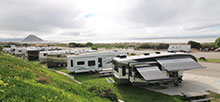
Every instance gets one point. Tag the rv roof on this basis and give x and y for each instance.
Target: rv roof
(95, 54)
(152, 55)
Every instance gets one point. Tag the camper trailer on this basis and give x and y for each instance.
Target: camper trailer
(33, 54)
(88, 62)
(179, 48)
(153, 68)
(58, 58)
(9, 49)
(20, 51)
(43, 56)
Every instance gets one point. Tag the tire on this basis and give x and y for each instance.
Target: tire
(64, 64)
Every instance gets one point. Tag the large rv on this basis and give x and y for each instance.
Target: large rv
(90, 62)
(153, 68)
(179, 48)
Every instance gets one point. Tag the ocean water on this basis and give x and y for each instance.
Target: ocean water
(160, 40)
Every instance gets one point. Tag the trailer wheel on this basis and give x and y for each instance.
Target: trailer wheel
(64, 64)
(59, 65)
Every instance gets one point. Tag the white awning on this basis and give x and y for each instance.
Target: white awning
(179, 64)
(152, 73)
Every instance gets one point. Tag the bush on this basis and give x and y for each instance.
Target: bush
(44, 79)
(209, 46)
(195, 44)
(1, 47)
(89, 44)
(217, 42)
(94, 48)
(104, 92)
(143, 46)
(163, 46)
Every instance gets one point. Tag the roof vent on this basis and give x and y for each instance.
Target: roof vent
(121, 56)
(157, 52)
(146, 54)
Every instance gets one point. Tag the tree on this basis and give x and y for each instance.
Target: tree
(195, 44)
(89, 44)
(217, 42)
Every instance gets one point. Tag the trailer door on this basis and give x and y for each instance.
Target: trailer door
(100, 62)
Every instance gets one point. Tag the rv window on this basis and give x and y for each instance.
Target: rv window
(91, 63)
(19, 50)
(80, 63)
(71, 61)
(58, 56)
(45, 54)
(123, 71)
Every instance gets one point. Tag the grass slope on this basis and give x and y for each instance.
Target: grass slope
(125, 92)
(21, 80)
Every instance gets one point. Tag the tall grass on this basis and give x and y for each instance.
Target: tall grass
(21, 80)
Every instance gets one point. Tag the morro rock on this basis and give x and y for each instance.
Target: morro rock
(32, 39)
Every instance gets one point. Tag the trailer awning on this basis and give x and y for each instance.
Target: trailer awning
(152, 73)
(179, 63)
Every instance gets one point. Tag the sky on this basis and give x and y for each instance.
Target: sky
(107, 20)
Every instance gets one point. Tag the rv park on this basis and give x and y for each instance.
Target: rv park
(176, 72)
(109, 51)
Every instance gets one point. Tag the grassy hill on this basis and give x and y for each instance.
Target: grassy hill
(21, 80)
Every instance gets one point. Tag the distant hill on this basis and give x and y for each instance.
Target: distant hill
(32, 39)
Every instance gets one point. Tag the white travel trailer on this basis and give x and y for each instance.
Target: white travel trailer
(179, 48)
(153, 68)
(43, 56)
(20, 51)
(90, 62)
(7, 50)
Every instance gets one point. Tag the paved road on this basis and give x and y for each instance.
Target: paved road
(213, 69)
(211, 55)
(196, 81)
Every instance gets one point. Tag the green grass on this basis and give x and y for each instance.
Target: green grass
(125, 92)
(211, 60)
(21, 80)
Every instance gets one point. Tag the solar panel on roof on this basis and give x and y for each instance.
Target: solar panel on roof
(152, 73)
(179, 63)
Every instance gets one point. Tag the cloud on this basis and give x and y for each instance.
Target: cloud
(108, 20)
(39, 16)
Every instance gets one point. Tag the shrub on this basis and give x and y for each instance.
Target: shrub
(104, 92)
(195, 44)
(143, 46)
(1, 47)
(89, 44)
(44, 79)
(217, 42)
(94, 48)
(163, 46)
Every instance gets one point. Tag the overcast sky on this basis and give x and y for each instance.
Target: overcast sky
(94, 20)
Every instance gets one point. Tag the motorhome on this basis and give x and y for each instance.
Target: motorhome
(179, 48)
(91, 62)
(153, 68)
